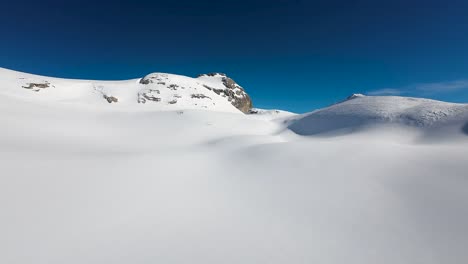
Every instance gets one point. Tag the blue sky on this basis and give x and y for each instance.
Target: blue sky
(295, 55)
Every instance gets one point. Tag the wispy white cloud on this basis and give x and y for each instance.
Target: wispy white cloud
(424, 88)
(385, 91)
(442, 87)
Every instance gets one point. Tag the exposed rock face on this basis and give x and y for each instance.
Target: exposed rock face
(199, 96)
(216, 82)
(110, 99)
(37, 86)
(145, 81)
(255, 111)
(233, 91)
(149, 95)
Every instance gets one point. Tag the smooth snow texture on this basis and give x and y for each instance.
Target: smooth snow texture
(105, 185)
(360, 112)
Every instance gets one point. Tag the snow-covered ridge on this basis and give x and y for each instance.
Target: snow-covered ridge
(360, 111)
(160, 91)
(217, 92)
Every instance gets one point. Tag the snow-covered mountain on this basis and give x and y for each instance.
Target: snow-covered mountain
(360, 112)
(157, 91)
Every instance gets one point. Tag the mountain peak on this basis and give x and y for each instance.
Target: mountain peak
(353, 96)
(221, 84)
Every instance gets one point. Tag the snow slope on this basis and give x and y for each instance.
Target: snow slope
(103, 183)
(361, 112)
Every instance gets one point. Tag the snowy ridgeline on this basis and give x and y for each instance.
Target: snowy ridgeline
(87, 179)
(217, 92)
(157, 91)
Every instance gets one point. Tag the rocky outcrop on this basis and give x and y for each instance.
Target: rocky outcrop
(37, 86)
(199, 96)
(218, 83)
(149, 95)
(110, 99)
(158, 78)
(231, 90)
(255, 111)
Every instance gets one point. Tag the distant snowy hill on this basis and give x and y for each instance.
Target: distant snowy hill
(159, 91)
(359, 112)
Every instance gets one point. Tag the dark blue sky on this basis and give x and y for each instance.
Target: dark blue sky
(290, 54)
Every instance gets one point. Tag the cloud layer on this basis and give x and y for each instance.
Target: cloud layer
(424, 88)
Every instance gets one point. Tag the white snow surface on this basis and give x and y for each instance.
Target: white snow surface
(84, 181)
(363, 112)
